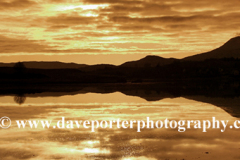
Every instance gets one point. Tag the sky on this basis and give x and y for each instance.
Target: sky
(113, 31)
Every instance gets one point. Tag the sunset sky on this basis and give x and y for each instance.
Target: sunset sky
(113, 31)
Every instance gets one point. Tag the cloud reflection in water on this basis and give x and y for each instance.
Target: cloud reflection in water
(122, 144)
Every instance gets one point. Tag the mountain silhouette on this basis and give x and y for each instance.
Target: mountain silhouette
(212, 77)
(231, 49)
(149, 61)
(218, 66)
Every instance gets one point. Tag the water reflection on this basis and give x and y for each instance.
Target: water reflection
(20, 99)
(120, 144)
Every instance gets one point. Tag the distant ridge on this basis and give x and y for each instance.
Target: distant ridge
(149, 61)
(231, 49)
(47, 65)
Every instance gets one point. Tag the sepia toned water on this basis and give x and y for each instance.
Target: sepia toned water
(119, 144)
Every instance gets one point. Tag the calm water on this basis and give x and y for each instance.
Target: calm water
(122, 144)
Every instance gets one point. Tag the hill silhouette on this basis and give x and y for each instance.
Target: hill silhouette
(149, 61)
(221, 65)
(230, 49)
(212, 77)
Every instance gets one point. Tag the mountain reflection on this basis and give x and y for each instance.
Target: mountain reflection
(117, 144)
(126, 102)
(225, 97)
(20, 99)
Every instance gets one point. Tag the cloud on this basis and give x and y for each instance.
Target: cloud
(130, 2)
(70, 20)
(65, 26)
(16, 4)
(12, 45)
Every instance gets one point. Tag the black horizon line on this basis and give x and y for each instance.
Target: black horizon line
(150, 55)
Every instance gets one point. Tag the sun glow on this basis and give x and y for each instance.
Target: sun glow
(90, 143)
(38, 30)
(95, 151)
(86, 7)
(89, 14)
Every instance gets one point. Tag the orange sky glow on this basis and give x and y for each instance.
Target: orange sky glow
(113, 31)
